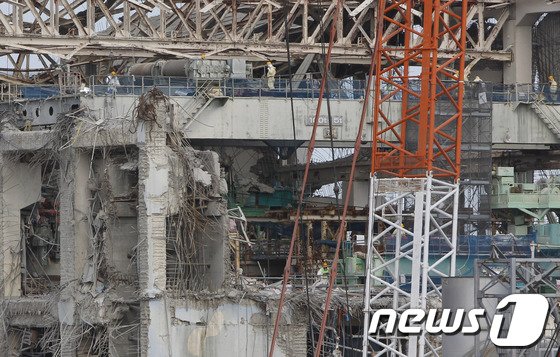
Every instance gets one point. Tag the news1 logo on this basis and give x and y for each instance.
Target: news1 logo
(525, 328)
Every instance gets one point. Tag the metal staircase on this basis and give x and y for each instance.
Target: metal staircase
(206, 92)
(549, 116)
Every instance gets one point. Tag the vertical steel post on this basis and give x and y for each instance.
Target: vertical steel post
(369, 262)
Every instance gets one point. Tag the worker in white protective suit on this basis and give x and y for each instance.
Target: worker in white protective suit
(270, 73)
(553, 86)
(113, 82)
(84, 89)
(480, 90)
(322, 277)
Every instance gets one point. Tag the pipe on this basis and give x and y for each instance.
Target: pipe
(142, 69)
(175, 68)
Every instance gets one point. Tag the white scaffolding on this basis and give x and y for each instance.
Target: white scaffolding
(402, 265)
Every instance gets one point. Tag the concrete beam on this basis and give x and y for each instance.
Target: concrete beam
(302, 70)
(25, 140)
(249, 121)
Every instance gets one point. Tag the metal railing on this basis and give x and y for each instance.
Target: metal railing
(10, 92)
(339, 89)
(477, 246)
(524, 93)
(235, 88)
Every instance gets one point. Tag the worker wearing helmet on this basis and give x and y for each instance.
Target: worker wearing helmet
(324, 270)
(113, 82)
(547, 88)
(323, 276)
(270, 73)
(479, 88)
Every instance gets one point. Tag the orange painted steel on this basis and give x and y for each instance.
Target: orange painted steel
(426, 135)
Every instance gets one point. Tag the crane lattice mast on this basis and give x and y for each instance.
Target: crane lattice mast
(414, 186)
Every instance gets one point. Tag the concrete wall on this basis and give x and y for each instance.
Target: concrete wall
(117, 179)
(254, 119)
(20, 187)
(518, 127)
(249, 119)
(224, 328)
(359, 197)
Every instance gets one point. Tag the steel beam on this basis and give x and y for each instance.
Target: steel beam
(243, 28)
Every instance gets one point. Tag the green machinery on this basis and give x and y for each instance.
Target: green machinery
(350, 266)
(523, 205)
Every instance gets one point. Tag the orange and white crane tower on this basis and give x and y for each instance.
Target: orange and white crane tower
(415, 170)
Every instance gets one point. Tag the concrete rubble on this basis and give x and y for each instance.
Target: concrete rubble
(135, 259)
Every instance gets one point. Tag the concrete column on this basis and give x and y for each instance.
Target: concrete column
(20, 187)
(518, 36)
(214, 236)
(217, 255)
(520, 39)
(74, 233)
(153, 183)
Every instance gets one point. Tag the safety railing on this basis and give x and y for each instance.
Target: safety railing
(338, 89)
(234, 88)
(525, 93)
(12, 92)
(479, 246)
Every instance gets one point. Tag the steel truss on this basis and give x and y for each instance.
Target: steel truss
(433, 204)
(82, 31)
(498, 278)
(421, 150)
(427, 135)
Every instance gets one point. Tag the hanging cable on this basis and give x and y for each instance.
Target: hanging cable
(290, 77)
(357, 147)
(310, 150)
(336, 188)
(290, 81)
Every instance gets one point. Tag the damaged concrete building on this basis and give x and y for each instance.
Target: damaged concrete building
(126, 251)
(195, 178)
